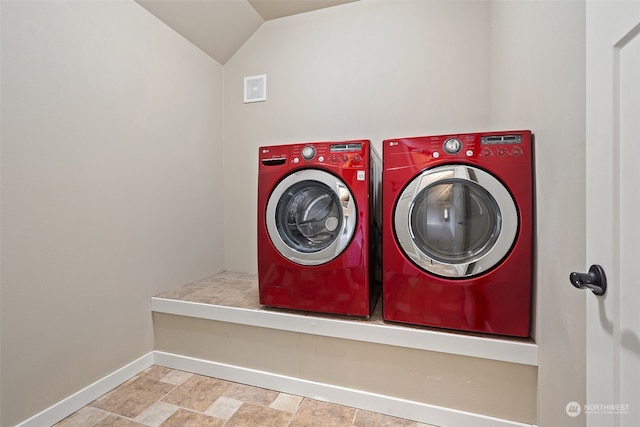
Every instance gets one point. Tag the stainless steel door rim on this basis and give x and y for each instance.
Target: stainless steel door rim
(455, 221)
(311, 216)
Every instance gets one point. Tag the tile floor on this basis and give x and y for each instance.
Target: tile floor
(167, 397)
(240, 290)
(229, 289)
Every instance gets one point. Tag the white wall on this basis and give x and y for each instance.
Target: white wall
(538, 82)
(369, 69)
(111, 189)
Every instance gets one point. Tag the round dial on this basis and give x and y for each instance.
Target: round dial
(308, 152)
(452, 145)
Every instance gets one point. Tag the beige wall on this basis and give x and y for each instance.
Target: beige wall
(111, 189)
(384, 69)
(112, 172)
(369, 69)
(538, 81)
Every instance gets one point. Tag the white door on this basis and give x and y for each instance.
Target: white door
(613, 208)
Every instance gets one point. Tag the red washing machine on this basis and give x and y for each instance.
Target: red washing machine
(318, 227)
(457, 222)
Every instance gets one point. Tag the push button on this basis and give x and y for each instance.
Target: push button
(516, 151)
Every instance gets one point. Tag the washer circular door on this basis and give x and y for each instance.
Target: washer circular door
(311, 216)
(455, 221)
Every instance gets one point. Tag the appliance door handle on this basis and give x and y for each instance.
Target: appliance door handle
(595, 280)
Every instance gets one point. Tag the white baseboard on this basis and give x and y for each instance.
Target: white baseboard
(421, 412)
(71, 404)
(417, 411)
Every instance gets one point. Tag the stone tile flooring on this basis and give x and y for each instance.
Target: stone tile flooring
(240, 290)
(229, 289)
(167, 397)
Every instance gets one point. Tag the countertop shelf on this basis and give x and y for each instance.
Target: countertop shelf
(232, 297)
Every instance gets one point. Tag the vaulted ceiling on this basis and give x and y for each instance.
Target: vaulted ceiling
(220, 27)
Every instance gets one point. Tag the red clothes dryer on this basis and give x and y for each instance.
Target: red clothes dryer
(457, 231)
(318, 226)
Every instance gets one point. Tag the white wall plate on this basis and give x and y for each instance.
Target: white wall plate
(255, 88)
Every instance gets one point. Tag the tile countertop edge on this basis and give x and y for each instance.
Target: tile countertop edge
(506, 350)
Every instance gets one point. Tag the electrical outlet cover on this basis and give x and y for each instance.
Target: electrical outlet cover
(255, 88)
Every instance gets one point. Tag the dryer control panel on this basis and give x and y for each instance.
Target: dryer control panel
(502, 145)
(506, 146)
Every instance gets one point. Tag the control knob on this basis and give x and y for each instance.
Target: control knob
(452, 145)
(308, 152)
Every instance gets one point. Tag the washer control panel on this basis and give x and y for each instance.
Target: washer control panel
(338, 154)
(352, 154)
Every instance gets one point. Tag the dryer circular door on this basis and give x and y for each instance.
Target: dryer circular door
(455, 221)
(311, 217)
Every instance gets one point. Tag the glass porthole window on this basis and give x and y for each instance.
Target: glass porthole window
(311, 216)
(455, 221)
